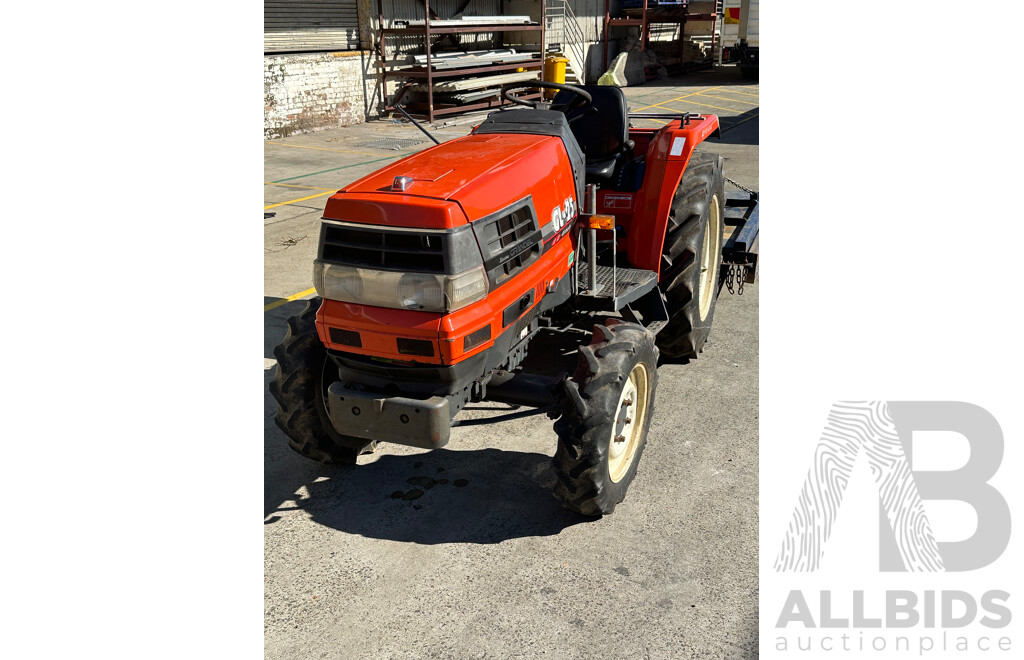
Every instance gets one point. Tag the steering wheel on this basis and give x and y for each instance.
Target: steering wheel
(581, 99)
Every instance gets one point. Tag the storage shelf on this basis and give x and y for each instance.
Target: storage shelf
(421, 72)
(430, 110)
(667, 17)
(656, 11)
(469, 29)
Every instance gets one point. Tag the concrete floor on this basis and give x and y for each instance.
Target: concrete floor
(488, 565)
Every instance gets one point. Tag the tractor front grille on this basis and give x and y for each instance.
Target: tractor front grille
(390, 250)
(512, 228)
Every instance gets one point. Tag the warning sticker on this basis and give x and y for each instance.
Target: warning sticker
(619, 201)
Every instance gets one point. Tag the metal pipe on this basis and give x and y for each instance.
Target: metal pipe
(591, 207)
(430, 66)
(615, 260)
(416, 124)
(592, 260)
(661, 115)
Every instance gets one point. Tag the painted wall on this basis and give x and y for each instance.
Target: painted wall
(312, 91)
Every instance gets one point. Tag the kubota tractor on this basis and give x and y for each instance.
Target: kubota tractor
(468, 271)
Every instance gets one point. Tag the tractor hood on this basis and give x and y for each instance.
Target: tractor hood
(442, 171)
(460, 181)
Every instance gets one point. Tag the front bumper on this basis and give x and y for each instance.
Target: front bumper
(414, 422)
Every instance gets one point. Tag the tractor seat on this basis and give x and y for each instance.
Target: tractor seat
(602, 135)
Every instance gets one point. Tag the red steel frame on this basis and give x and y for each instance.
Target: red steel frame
(645, 21)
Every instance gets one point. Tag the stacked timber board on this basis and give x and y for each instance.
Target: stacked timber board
(443, 61)
(470, 88)
(466, 21)
(475, 89)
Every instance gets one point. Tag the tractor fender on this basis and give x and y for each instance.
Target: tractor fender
(667, 157)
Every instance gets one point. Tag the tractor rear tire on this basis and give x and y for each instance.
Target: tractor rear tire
(300, 384)
(603, 430)
(692, 256)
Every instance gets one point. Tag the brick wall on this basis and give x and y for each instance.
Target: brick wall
(309, 92)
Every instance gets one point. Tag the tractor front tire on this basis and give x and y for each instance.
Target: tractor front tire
(692, 256)
(603, 430)
(300, 386)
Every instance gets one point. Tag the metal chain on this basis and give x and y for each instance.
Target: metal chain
(741, 187)
(736, 276)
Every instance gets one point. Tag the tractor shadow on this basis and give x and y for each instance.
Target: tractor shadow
(480, 496)
(663, 360)
(443, 496)
(740, 129)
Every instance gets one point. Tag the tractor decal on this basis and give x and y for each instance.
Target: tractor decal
(561, 216)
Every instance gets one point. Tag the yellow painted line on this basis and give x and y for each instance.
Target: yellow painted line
(301, 199)
(716, 107)
(292, 185)
(285, 301)
(732, 91)
(300, 146)
(685, 96)
(650, 119)
(725, 99)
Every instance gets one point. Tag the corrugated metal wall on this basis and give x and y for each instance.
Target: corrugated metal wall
(309, 25)
(445, 9)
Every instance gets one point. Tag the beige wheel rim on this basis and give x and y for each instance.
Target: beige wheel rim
(629, 423)
(709, 257)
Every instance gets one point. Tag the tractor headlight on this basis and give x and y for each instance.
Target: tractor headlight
(421, 291)
(382, 288)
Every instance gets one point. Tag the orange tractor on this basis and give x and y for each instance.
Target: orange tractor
(470, 270)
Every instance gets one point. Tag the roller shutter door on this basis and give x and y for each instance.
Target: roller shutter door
(309, 25)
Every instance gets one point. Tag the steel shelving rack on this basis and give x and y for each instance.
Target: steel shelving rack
(429, 75)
